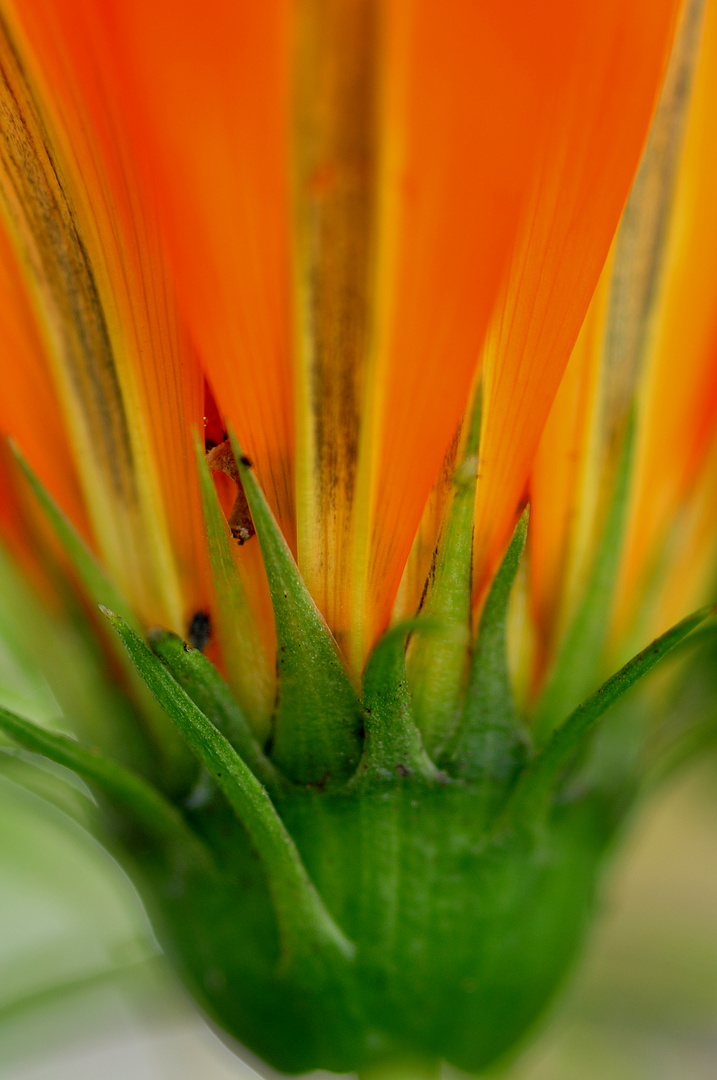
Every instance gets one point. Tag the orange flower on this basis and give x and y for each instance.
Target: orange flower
(380, 254)
(331, 212)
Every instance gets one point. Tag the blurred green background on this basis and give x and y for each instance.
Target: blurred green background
(84, 994)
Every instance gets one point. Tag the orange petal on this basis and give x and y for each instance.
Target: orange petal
(574, 471)
(679, 400)
(204, 89)
(594, 135)
(129, 383)
(685, 578)
(29, 408)
(562, 490)
(481, 110)
(461, 92)
(210, 95)
(335, 164)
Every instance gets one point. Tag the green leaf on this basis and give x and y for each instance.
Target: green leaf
(127, 791)
(540, 780)
(437, 664)
(577, 666)
(248, 670)
(392, 744)
(318, 721)
(307, 930)
(493, 742)
(205, 686)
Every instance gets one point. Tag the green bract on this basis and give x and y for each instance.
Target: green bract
(349, 896)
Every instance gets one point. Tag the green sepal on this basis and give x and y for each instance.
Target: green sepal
(392, 744)
(493, 743)
(318, 721)
(437, 664)
(207, 689)
(246, 664)
(533, 793)
(308, 933)
(577, 667)
(129, 793)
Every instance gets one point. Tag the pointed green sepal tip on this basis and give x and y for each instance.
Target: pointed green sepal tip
(317, 726)
(437, 664)
(202, 682)
(542, 778)
(393, 745)
(249, 671)
(308, 933)
(493, 743)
